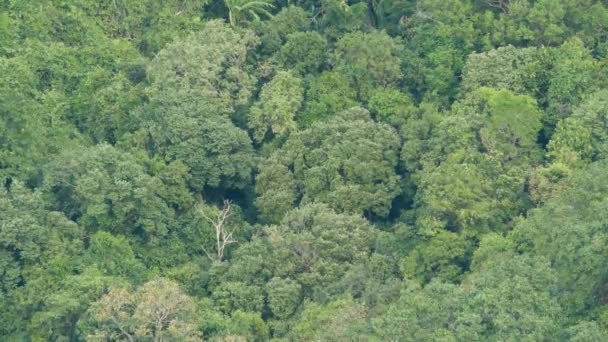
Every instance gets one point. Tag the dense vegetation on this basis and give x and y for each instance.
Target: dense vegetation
(304, 170)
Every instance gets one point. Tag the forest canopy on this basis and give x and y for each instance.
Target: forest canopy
(304, 170)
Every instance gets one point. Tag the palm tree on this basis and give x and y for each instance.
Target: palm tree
(252, 8)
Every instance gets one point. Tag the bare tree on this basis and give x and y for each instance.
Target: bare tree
(223, 237)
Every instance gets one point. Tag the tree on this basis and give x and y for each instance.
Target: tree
(435, 312)
(246, 326)
(516, 297)
(469, 193)
(103, 116)
(567, 231)
(509, 123)
(574, 74)
(339, 320)
(32, 126)
(369, 60)
(506, 296)
(501, 5)
(157, 311)
(223, 238)
(38, 249)
(583, 133)
(103, 188)
(332, 170)
(584, 331)
(438, 37)
(113, 308)
(252, 263)
(316, 247)
(337, 17)
(149, 25)
(284, 297)
(59, 297)
(217, 153)
(391, 106)
(274, 114)
(231, 296)
(348, 162)
(240, 9)
(442, 257)
(326, 95)
(197, 84)
(533, 23)
(189, 73)
(520, 70)
(114, 256)
(303, 52)
(273, 32)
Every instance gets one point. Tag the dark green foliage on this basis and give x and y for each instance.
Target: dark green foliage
(568, 230)
(303, 52)
(521, 70)
(327, 94)
(283, 297)
(368, 60)
(348, 162)
(303, 170)
(274, 113)
(232, 296)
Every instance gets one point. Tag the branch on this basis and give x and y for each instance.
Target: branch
(122, 330)
(222, 238)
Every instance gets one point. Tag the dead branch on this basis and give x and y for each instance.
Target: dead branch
(223, 237)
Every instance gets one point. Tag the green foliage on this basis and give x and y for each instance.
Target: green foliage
(348, 162)
(203, 72)
(337, 17)
(568, 231)
(197, 83)
(586, 332)
(31, 122)
(217, 153)
(247, 326)
(102, 116)
(438, 37)
(37, 246)
(232, 296)
(273, 33)
(443, 257)
(340, 320)
(238, 10)
(327, 94)
(368, 60)
(575, 73)
(303, 52)
(316, 247)
(391, 106)
(520, 70)
(104, 189)
(113, 256)
(436, 312)
(509, 124)
(307, 170)
(274, 113)
(508, 298)
(469, 192)
(515, 295)
(58, 300)
(584, 132)
(149, 24)
(283, 297)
